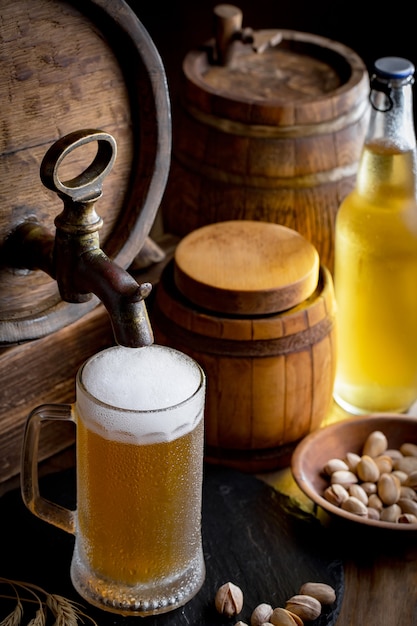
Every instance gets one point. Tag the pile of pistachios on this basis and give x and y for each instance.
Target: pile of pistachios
(378, 484)
(306, 606)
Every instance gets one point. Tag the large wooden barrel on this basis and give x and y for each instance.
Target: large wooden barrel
(66, 66)
(269, 375)
(272, 135)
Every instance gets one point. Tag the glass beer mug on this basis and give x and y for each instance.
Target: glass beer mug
(139, 447)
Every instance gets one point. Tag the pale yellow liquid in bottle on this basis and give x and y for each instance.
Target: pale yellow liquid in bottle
(376, 286)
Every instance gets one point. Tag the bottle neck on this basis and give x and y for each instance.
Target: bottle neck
(387, 168)
(391, 120)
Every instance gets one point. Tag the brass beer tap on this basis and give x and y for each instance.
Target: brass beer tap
(74, 257)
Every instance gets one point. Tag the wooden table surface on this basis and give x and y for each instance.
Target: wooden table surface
(380, 566)
(380, 573)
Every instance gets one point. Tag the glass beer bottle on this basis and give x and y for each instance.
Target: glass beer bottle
(375, 272)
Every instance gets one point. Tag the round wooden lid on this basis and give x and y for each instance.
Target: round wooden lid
(245, 267)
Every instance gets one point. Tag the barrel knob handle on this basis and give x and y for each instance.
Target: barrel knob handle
(227, 28)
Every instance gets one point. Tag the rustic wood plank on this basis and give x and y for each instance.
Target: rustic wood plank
(40, 372)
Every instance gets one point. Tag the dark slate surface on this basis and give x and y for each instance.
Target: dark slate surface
(252, 536)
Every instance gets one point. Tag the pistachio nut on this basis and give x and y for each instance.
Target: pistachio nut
(261, 614)
(390, 513)
(343, 477)
(367, 469)
(384, 463)
(402, 476)
(408, 449)
(306, 607)
(407, 464)
(375, 502)
(351, 460)
(408, 492)
(357, 491)
(336, 494)
(284, 617)
(407, 518)
(375, 444)
(394, 453)
(324, 593)
(407, 506)
(373, 513)
(333, 465)
(369, 488)
(411, 480)
(229, 599)
(389, 489)
(355, 506)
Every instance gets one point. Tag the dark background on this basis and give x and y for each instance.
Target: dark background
(371, 29)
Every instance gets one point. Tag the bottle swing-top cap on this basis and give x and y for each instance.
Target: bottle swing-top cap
(386, 70)
(394, 68)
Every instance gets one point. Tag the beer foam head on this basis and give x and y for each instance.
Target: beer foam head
(142, 393)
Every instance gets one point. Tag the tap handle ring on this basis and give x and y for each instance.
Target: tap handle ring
(87, 185)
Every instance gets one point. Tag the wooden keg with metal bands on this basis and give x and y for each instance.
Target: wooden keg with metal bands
(273, 134)
(68, 66)
(250, 303)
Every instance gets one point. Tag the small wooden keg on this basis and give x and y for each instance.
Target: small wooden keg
(251, 303)
(272, 132)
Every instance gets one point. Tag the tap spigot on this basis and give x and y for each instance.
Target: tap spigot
(74, 257)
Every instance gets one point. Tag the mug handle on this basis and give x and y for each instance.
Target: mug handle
(41, 507)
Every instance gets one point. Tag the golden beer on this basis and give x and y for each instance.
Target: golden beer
(139, 505)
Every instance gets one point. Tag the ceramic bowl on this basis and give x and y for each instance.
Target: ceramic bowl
(334, 441)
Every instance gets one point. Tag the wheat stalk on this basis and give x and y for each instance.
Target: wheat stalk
(14, 618)
(39, 619)
(65, 612)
